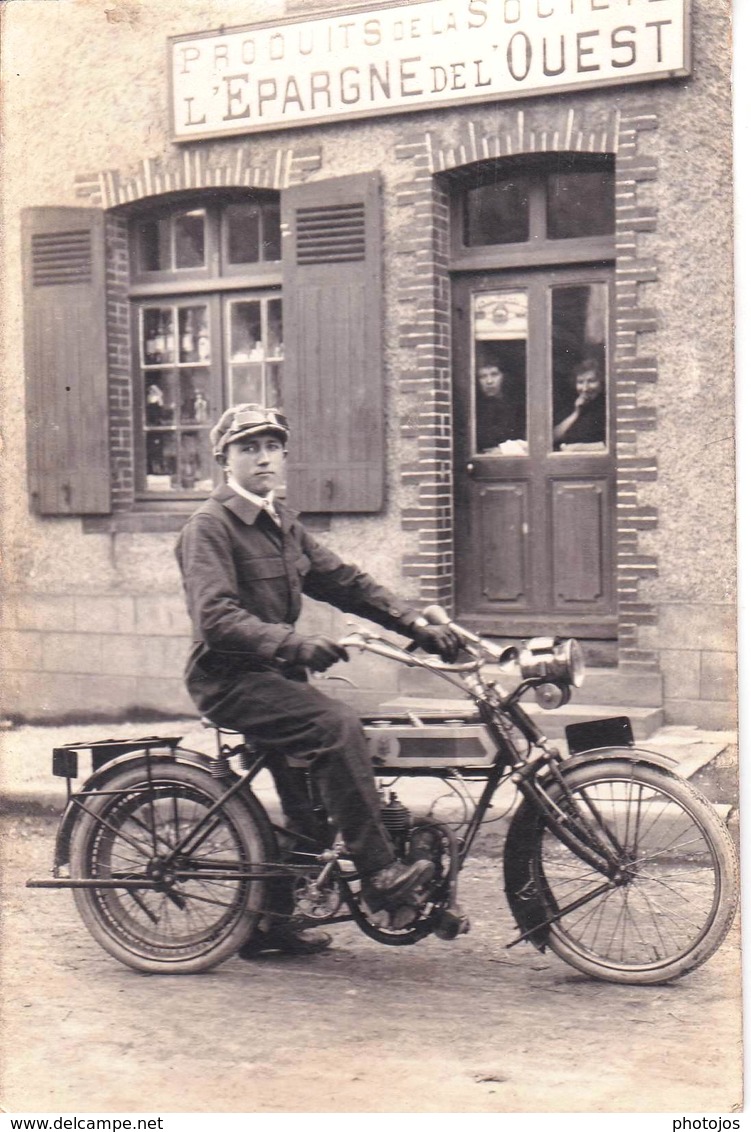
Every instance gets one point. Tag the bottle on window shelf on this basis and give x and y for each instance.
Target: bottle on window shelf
(151, 343)
(200, 408)
(187, 341)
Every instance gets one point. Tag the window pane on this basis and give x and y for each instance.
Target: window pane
(580, 204)
(256, 349)
(195, 461)
(497, 213)
(160, 397)
(195, 405)
(243, 233)
(579, 316)
(275, 345)
(190, 240)
(152, 240)
(247, 384)
(157, 335)
(272, 232)
(245, 331)
(500, 365)
(161, 461)
(194, 334)
(274, 385)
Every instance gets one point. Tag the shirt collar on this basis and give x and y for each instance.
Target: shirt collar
(261, 501)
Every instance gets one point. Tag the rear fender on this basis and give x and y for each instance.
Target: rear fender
(102, 778)
(520, 885)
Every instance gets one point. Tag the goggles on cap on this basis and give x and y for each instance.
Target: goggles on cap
(247, 418)
(247, 422)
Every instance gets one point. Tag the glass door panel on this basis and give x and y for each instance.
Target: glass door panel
(500, 332)
(578, 353)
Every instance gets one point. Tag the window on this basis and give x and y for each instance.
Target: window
(518, 212)
(207, 332)
(203, 303)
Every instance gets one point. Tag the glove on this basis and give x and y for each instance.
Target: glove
(319, 653)
(440, 639)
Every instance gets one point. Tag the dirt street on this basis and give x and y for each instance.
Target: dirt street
(439, 1027)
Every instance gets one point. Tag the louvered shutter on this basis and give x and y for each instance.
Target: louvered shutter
(66, 360)
(333, 373)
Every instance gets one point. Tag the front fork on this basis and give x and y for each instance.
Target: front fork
(583, 833)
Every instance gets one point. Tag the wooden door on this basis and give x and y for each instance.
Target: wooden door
(534, 465)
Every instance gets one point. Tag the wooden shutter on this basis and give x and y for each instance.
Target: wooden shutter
(66, 360)
(333, 373)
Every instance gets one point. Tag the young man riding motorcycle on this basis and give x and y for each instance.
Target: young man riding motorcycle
(246, 560)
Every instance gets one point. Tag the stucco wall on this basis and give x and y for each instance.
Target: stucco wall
(102, 613)
(694, 492)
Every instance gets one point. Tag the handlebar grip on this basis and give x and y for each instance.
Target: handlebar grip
(437, 615)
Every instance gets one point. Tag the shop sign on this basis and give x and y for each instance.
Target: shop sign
(400, 57)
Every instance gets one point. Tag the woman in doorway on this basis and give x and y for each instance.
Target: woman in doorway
(585, 424)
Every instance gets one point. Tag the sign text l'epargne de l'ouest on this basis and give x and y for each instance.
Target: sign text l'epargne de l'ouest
(396, 58)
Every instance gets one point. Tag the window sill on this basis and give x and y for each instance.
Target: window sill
(166, 522)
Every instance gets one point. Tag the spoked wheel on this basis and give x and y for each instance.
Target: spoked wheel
(430, 841)
(673, 897)
(197, 907)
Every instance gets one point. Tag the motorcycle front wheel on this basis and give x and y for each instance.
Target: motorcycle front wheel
(675, 897)
(194, 909)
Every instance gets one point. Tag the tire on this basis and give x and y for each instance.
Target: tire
(192, 924)
(681, 888)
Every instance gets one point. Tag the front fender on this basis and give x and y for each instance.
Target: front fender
(101, 779)
(520, 886)
(633, 754)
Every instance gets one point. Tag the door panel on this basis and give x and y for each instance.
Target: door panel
(579, 519)
(502, 520)
(533, 450)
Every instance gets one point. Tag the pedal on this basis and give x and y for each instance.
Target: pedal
(452, 923)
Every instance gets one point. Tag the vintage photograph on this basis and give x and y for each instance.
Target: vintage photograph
(368, 738)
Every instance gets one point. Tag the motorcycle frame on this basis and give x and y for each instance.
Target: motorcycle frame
(525, 771)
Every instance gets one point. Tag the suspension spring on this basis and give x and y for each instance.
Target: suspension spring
(219, 767)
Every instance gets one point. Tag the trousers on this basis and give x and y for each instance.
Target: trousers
(290, 718)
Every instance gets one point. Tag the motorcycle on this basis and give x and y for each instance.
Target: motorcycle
(612, 860)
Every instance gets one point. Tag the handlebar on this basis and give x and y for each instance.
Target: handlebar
(479, 648)
(375, 644)
(539, 660)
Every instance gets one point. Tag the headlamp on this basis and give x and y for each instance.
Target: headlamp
(552, 659)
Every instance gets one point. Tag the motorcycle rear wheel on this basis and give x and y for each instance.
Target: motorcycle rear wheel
(678, 894)
(195, 920)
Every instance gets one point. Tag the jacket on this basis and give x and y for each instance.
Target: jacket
(244, 578)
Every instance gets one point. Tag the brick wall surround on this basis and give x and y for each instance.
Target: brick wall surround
(190, 169)
(196, 167)
(119, 364)
(424, 339)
